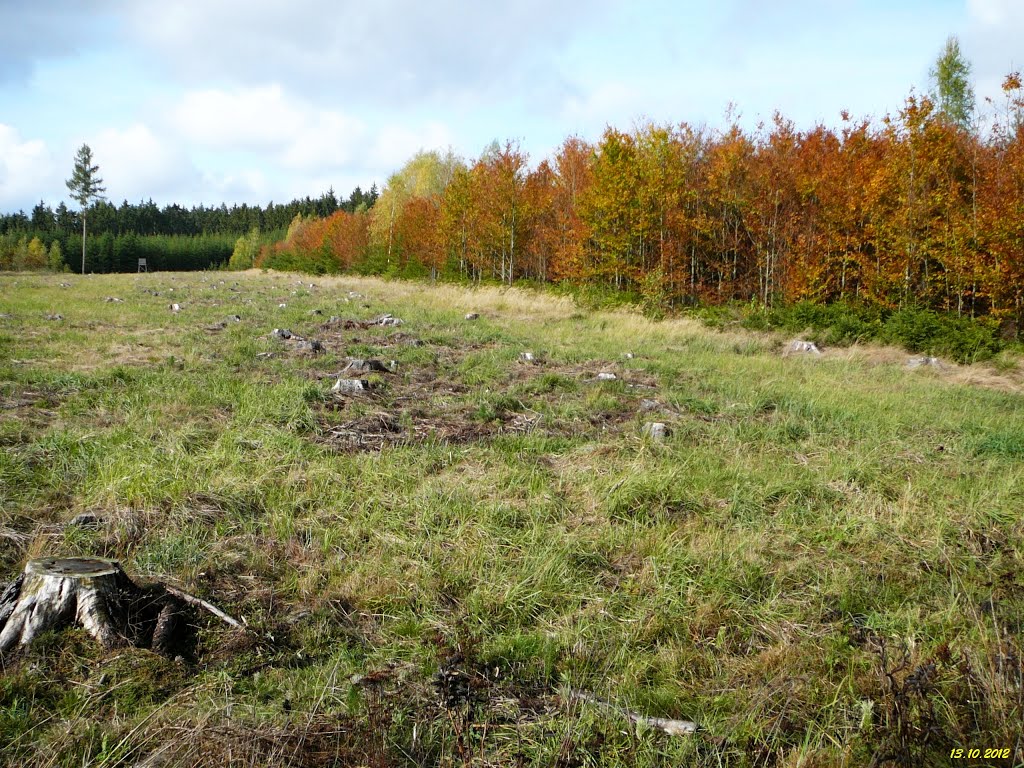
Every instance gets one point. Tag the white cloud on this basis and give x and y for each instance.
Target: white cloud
(994, 12)
(366, 53)
(274, 100)
(294, 134)
(992, 40)
(248, 118)
(135, 163)
(244, 185)
(325, 138)
(394, 145)
(603, 103)
(26, 166)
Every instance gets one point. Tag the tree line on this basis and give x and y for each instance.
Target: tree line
(172, 237)
(922, 208)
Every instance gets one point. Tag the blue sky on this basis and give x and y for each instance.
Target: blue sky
(209, 101)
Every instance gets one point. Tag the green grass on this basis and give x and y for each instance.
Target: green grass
(821, 565)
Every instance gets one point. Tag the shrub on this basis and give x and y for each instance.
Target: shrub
(915, 329)
(963, 339)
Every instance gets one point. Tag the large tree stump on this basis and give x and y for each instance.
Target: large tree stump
(94, 593)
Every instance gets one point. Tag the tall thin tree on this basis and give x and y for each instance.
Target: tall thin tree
(85, 187)
(951, 78)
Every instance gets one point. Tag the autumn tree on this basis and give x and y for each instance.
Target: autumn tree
(727, 192)
(417, 229)
(1001, 207)
(455, 221)
(611, 210)
(246, 249)
(501, 208)
(663, 165)
(346, 237)
(545, 229)
(35, 255)
(913, 210)
(427, 174)
(565, 234)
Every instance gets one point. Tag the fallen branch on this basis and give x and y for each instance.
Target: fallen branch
(671, 727)
(181, 595)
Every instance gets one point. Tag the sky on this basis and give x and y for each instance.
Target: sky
(210, 101)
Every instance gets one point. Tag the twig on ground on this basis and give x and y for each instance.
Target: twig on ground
(203, 604)
(671, 727)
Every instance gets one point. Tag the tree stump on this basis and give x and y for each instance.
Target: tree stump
(94, 593)
(927, 362)
(801, 347)
(355, 364)
(656, 430)
(351, 386)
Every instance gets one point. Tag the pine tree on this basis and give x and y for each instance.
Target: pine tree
(85, 186)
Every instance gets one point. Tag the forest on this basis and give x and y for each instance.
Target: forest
(920, 209)
(170, 238)
(924, 209)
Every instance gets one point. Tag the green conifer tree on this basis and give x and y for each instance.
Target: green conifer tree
(85, 186)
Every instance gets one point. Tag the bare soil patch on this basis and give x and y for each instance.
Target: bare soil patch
(33, 410)
(431, 404)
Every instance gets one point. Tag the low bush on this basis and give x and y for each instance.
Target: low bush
(963, 339)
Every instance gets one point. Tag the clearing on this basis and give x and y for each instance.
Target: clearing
(479, 556)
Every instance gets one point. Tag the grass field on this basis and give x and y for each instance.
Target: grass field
(820, 565)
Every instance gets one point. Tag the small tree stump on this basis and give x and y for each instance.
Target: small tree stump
(927, 362)
(801, 347)
(351, 385)
(655, 430)
(356, 364)
(311, 346)
(91, 592)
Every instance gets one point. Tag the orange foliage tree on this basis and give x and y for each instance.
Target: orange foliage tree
(916, 210)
